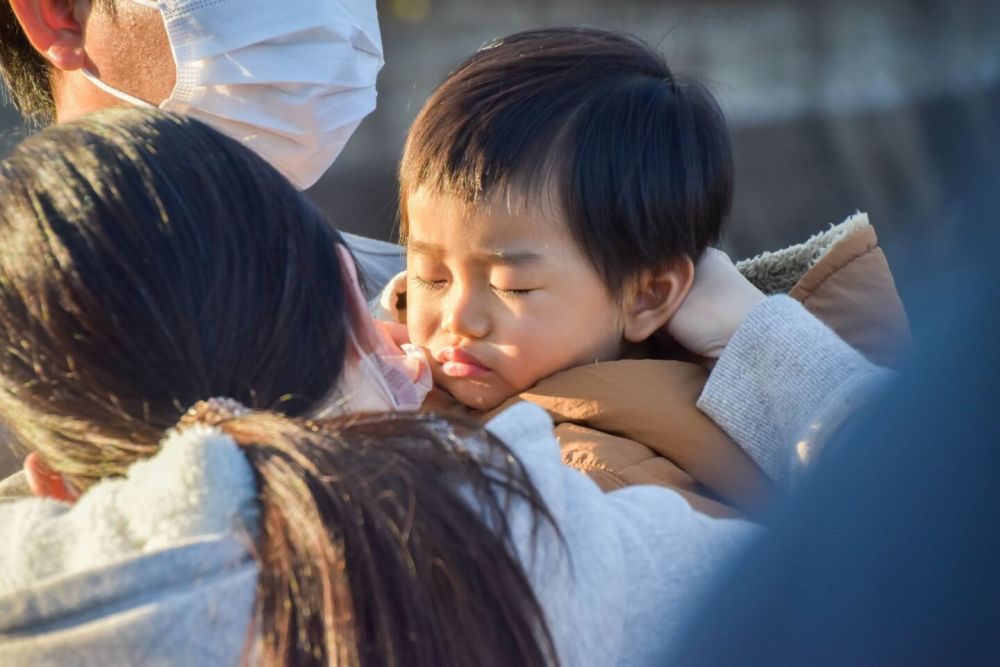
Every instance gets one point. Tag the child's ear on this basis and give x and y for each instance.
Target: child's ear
(654, 298)
(45, 482)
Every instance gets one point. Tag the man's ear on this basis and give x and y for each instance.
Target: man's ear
(654, 298)
(45, 482)
(56, 29)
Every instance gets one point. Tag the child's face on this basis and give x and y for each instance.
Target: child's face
(501, 300)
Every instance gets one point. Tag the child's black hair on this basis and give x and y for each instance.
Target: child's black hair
(638, 162)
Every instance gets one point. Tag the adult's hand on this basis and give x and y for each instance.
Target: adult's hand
(718, 302)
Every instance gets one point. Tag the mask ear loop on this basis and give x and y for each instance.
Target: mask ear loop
(159, 6)
(114, 92)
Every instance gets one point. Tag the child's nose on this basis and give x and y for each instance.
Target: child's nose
(465, 316)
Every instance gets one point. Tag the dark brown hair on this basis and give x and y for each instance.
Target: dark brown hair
(158, 263)
(150, 262)
(373, 554)
(637, 161)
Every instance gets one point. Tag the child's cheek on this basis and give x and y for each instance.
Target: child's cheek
(420, 323)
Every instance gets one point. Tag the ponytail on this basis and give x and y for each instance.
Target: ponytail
(371, 552)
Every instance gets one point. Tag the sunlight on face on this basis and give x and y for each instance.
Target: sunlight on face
(501, 299)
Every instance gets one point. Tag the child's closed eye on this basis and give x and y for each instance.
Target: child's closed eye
(430, 285)
(510, 292)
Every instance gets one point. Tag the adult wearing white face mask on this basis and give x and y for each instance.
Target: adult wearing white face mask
(291, 79)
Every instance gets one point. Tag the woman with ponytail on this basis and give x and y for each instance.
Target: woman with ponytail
(148, 263)
(184, 354)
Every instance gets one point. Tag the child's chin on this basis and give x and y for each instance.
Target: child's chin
(480, 398)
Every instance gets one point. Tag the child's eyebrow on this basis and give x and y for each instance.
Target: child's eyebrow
(423, 248)
(507, 258)
(502, 257)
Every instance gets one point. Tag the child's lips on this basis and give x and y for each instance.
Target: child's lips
(457, 363)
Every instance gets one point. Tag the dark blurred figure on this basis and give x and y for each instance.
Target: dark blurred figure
(887, 554)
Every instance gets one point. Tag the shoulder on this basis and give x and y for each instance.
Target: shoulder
(527, 430)
(618, 574)
(520, 421)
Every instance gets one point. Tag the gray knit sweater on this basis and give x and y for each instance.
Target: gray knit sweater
(157, 572)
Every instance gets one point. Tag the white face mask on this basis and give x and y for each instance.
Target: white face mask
(385, 379)
(292, 79)
(378, 374)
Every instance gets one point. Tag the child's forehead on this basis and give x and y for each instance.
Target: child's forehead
(439, 225)
(431, 213)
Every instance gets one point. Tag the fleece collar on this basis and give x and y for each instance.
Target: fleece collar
(778, 271)
(198, 484)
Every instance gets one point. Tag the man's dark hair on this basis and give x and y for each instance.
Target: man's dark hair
(25, 72)
(638, 162)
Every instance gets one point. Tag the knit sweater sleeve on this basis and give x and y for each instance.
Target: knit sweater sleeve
(625, 569)
(784, 384)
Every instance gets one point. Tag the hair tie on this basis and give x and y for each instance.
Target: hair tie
(212, 412)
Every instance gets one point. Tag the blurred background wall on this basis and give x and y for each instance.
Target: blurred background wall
(885, 106)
